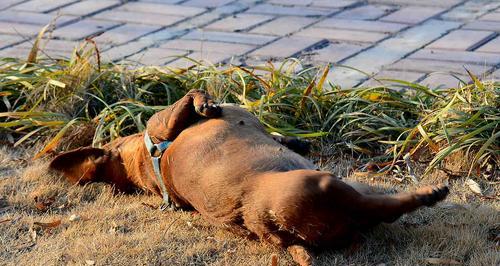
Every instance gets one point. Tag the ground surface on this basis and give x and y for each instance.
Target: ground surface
(46, 221)
(402, 39)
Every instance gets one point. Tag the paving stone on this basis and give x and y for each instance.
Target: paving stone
(492, 46)
(125, 33)
(209, 57)
(54, 45)
(282, 48)
(164, 9)
(229, 37)
(390, 50)
(201, 46)
(388, 74)
(6, 40)
(19, 29)
(34, 18)
(443, 81)
(86, 7)
(342, 35)
(470, 10)
(290, 10)
(493, 16)
(162, 1)
(440, 3)
(366, 12)
(8, 3)
(42, 5)
(139, 18)
(155, 56)
(82, 29)
(22, 52)
(428, 66)
(238, 22)
(458, 56)
(412, 14)
(163, 35)
(460, 39)
(330, 3)
(291, 2)
(335, 52)
(119, 52)
(363, 25)
(483, 25)
(205, 3)
(494, 76)
(283, 26)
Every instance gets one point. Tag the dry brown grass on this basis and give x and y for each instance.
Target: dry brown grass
(121, 230)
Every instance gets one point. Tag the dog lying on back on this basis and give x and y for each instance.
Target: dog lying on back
(222, 163)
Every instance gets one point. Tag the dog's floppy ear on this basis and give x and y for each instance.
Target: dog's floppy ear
(80, 165)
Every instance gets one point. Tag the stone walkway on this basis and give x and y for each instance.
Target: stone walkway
(403, 39)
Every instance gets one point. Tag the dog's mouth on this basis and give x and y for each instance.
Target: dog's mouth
(208, 110)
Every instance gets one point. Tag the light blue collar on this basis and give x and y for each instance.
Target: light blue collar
(155, 152)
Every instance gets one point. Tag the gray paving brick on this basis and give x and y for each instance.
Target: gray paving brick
(492, 46)
(8, 3)
(164, 9)
(290, 10)
(212, 15)
(440, 3)
(342, 35)
(335, 52)
(86, 7)
(34, 18)
(493, 16)
(125, 33)
(362, 25)
(442, 81)
(119, 52)
(388, 74)
(388, 51)
(54, 45)
(483, 25)
(470, 10)
(202, 46)
(19, 29)
(205, 3)
(6, 40)
(163, 35)
(284, 25)
(155, 56)
(460, 39)
(291, 2)
(412, 14)
(229, 37)
(238, 22)
(458, 56)
(82, 29)
(429, 66)
(22, 53)
(209, 57)
(494, 76)
(366, 12)
(282, 48)
(330, 3)
(42, 5)
(138, 17)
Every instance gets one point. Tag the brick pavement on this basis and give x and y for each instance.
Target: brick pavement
(402, 39)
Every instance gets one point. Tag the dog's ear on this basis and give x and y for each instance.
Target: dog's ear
(80, 165)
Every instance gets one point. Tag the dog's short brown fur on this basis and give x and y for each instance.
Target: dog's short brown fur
(228, 168)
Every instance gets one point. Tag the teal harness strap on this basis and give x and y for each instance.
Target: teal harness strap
(156, 152)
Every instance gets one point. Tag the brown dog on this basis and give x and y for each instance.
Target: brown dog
(224, 164)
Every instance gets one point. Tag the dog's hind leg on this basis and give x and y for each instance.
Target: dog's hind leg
(167, 124)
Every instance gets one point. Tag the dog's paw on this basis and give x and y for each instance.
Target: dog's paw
(204, 105)
(430, 195)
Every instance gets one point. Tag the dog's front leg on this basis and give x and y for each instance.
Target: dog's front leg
(169, 123)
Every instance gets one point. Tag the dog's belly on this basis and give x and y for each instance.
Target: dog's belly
(215, 162)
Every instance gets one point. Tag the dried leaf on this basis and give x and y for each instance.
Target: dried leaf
(274, 260)
(50, 225)
(441, 261)
(43, 204)
(474, 186)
